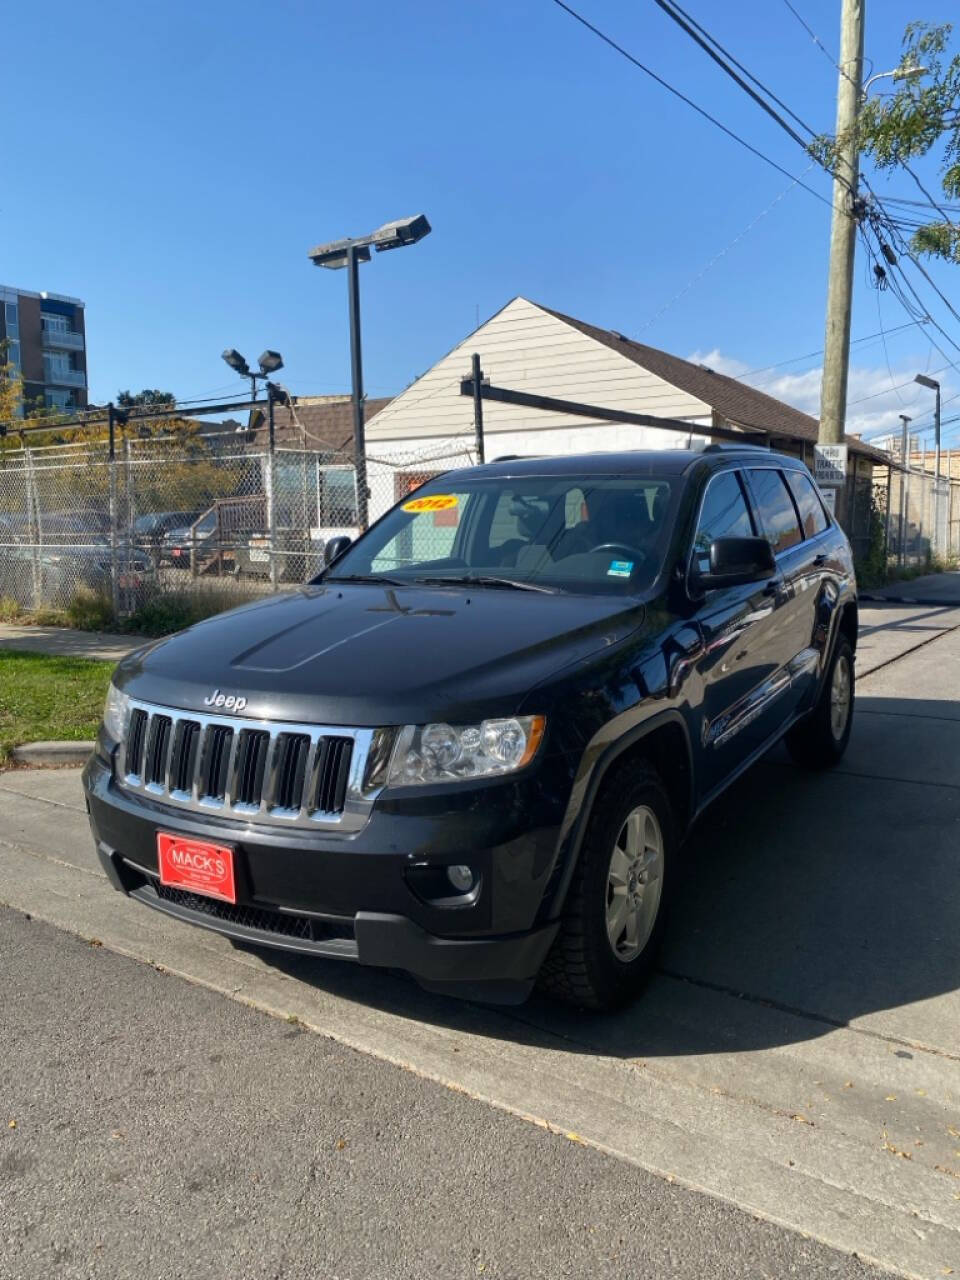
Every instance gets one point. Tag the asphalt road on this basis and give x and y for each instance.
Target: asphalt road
(154, 1129)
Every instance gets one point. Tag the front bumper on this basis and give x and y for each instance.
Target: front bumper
(361, 897)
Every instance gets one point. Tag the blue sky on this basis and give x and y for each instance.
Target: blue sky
(172, 164)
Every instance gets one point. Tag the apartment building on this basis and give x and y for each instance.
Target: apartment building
(46, 341)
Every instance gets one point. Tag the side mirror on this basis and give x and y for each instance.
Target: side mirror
(736, 561)
(335, 547)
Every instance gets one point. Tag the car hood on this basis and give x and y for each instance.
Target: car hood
(366, 655)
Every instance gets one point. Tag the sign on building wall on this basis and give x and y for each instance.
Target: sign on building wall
(830, 463)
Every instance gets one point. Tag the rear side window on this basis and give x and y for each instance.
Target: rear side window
(724, 514)
(812, 516)
(778, 516)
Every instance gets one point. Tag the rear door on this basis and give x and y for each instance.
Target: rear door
(797, 560)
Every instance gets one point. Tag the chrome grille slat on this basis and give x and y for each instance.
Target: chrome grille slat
(262, 771)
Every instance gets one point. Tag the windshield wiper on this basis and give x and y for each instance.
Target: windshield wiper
(484, 580)
(378, 579)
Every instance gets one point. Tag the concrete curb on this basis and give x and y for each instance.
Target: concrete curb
(52, 753)
(919, 601)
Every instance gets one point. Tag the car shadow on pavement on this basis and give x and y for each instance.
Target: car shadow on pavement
(806, 901)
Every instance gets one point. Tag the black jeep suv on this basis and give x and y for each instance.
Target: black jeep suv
(471, 747)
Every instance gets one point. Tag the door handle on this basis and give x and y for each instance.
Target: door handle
(820, 560)
(772, 588)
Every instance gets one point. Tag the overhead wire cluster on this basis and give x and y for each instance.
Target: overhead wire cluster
(883, 231)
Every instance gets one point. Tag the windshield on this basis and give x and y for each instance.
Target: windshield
(593, 534)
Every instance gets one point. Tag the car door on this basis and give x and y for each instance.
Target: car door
(791, 637)
(736, 668)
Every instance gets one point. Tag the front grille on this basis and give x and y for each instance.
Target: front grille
(289, 774)
(262, 918)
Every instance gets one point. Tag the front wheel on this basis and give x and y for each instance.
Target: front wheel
(616, 907)
(820, 739)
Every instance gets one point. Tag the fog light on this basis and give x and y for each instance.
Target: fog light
(461, 878)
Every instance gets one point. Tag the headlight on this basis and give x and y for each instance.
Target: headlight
(115, 711)
(450, 753)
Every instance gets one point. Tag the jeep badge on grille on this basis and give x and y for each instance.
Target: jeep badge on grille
(229, 703)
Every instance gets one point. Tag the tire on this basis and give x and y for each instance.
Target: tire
(820, 739)
(585, 966)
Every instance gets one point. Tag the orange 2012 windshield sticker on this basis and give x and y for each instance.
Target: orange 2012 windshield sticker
(432, 502)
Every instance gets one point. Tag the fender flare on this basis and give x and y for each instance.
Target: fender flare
(588, 784)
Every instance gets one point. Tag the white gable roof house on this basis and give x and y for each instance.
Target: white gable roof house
(528, 347)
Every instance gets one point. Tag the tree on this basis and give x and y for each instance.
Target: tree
(11, 388)
(147, 397)
(922, 114)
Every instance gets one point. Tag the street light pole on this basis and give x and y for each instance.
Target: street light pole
(350, 253)
(934, 386)
(356, 375)
(904, 446)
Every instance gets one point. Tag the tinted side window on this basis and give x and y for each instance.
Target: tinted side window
(778, 517)
(812, 516)
(724, 515)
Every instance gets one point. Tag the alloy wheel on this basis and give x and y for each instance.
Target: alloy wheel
(634, 884)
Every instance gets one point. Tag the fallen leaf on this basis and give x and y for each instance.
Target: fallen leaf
(575, 1137)
(921, 1093)
(12, 1124)
(891, 1097)
(118, 1133)
(95, 942)
(848, 1084)
(946, 1271)
(887, 1145)
(953, 1131)
(341, 1143)
(801, 1118)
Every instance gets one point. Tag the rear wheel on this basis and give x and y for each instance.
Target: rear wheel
(616, 906)
(820, 739)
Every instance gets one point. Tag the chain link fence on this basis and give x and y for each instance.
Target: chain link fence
(187, 517)
(921, 516)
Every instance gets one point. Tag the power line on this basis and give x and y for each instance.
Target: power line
(689, 101)
(692, 28)
(812, 34)
(809, 355)
(819, 43)
(717, 256)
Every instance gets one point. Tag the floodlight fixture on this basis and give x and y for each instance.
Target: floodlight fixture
(270, 362)
(336, 254)
(926, 381)
(236, 362)
(400, 232)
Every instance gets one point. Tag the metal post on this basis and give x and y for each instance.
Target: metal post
(904, 476)
(478, 407)
(356, 369)
(33, 524)
(271, 489)
(843, 228)
(112, 465)
(938, 541)
(886, 522)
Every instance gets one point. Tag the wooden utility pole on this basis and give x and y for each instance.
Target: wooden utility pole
(843, 227)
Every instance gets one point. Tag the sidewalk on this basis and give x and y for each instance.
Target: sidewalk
(68, 643)
(932, 588)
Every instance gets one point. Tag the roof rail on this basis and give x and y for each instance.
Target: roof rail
(725, 446)
(515, 457)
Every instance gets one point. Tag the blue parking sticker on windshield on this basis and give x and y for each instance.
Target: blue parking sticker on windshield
(620, 569)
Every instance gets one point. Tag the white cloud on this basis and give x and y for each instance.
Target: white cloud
(872, 403)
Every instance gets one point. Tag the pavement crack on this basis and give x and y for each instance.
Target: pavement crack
(798, 1012)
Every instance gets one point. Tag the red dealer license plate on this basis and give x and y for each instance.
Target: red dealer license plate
(196, 865)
